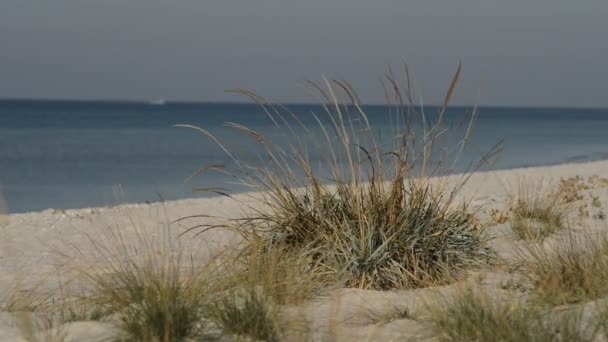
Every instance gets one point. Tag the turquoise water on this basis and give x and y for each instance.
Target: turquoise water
(72, 154)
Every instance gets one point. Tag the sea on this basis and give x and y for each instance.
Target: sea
(75, 154)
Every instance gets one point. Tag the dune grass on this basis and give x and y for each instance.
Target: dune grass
(571, 270)
(245, 313)
(159, 308)
(473, 315)
(141, 280)
(143, 283)
(538, 211)
(373, 218)
(284, 275)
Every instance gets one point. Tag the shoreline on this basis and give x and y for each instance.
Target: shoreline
(563, 168)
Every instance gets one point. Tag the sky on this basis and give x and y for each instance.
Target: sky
(515, 52)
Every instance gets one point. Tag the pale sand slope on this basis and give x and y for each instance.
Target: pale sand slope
(31, 242)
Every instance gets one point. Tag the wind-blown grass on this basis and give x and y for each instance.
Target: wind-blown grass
(283, 274)
(570, 270)
(373, 218)
(245, 313)
(475, 316)
(144, 283)
(537, 212)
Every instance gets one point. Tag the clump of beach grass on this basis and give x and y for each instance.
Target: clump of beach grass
(570, 270)
(142, 280)
(473, 315)
(158, 308)
(375, 217)
(144, 284)
(245, 313)
(538, 211)
(283, 274)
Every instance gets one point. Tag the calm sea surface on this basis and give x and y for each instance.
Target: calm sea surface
(74, 154)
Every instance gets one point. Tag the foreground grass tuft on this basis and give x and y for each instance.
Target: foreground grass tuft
(537, 212)
(158, 308)
(283, 274)
(377, 241)
(475, 316)
(245, 313)
(144, 284)
(570, 270)
(369, 215)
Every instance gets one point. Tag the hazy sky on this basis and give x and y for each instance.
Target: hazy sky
(525, 52)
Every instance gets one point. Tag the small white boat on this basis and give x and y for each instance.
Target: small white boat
(158, 102)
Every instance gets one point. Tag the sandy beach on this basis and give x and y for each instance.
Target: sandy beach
(195, 171)
(32, 242)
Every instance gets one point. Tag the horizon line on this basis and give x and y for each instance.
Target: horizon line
(153, 102)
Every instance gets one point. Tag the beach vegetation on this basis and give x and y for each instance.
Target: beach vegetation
(370, 215)
(474, 315)
(244, 313)
(573, 269)
(538, 211)
(283, 274)
(143, 285)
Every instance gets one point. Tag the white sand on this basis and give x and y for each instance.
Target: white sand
(30, 241)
